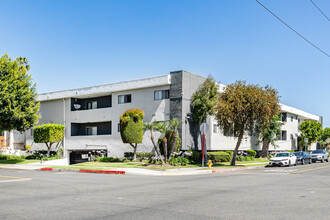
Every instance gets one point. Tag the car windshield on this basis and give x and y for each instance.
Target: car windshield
(317, 152)
(299, 154)
(282, 155)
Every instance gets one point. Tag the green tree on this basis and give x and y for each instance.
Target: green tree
(150, 126)
(270, 134)
(48, 134)
(311, 130)
(131, 128)
(241, 108)
(203, 102)
(18, 106)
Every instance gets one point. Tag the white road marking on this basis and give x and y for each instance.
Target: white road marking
(16, 180)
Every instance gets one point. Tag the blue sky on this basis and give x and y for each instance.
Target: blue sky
(72, 44)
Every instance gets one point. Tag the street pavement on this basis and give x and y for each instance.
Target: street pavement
(297, 192)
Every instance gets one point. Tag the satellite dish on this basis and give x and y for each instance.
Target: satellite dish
(77, 106)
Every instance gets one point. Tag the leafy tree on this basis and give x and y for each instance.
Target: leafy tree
(48, 134)
(241, 108)
(325, 134)
(131, 128)
(18, 106)
(311, 130)
(150, 126)
(203, 101)
(270, 134)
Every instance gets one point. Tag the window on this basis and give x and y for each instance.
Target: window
(284, 116)
(283, 136)
(124, 99)
(161, 94)
(291, 118)
(215, 128)
(91, 130)
(91, 105)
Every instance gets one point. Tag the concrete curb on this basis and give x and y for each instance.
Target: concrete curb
(84, 171)
(236, 169)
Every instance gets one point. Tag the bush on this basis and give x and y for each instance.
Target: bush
(219, 156)
(195, 157)
(240, 158)
(108, 159)
(229, 152)
(251, 153)
(173, 161)
(183, 161)
(129, 155)
(178, 161)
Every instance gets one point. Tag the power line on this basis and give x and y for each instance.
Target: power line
(320, 10)
(322, 51)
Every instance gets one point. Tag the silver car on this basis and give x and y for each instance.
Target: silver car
(320, 155)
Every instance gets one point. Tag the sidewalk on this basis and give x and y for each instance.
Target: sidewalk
(118, 170)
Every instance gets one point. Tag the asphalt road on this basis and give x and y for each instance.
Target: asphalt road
(301, 192)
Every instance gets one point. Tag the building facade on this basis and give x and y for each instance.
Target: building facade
(91, 116)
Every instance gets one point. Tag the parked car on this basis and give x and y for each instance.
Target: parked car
(283, 159)
(320, 155)
(303, 157)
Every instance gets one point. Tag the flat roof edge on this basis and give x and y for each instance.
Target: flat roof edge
(107, 88)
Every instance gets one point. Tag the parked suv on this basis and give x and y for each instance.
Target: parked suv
(320, 155)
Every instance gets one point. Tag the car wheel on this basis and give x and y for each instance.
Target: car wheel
(314, 161)
(289, 163)
(303, 161)
(295, 164)
(322, 161)
(310, 161)
(327, 160)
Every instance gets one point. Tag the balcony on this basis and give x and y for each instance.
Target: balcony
(91, 129)
(91, 103)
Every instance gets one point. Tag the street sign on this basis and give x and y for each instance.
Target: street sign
(306, 140)
(204, 128)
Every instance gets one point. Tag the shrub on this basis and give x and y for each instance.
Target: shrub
(173, 161)
(195, 157)
(129, 155)
(219, 156)
(170, 139)
(251, 153)
(108, 159)
(229, 152)
(183, 161)
(239, 158)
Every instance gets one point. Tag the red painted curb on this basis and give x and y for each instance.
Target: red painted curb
(46, 169)
(102, 171)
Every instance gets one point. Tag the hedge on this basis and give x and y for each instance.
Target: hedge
(251, 153)
(219, 156)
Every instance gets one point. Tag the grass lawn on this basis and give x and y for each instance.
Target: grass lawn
(131, 165)
(18, 161)
(107, 165)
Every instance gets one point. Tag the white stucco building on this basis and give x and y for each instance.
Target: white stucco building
(91, 115)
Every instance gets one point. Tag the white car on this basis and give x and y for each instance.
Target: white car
(283, 159)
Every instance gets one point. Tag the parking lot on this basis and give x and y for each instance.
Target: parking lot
(296, 192)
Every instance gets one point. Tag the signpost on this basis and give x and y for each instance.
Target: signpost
(204, 128)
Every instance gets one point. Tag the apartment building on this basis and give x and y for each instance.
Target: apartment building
(91, 116)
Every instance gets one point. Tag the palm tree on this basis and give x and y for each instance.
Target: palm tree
(163, 127)
(174, 124)
(149, 126)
